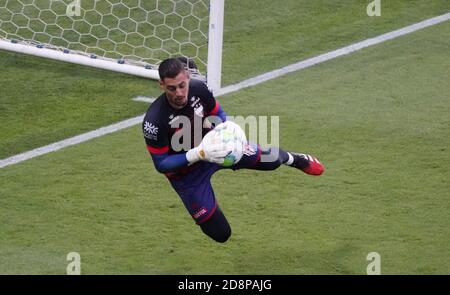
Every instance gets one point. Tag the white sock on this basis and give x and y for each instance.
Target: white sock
(290, 160)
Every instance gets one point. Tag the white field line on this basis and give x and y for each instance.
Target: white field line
(229, 89)
(144, 99)
(70, 141)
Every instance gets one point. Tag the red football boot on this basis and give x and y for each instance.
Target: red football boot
(307, 163)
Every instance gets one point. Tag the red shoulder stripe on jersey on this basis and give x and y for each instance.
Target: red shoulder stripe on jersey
(158, 151)
(216, 109)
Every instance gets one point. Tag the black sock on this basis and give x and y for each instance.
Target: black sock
(271, 159)
(300, 162)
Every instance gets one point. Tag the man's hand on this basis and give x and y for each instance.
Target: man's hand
(211, 149)
(215, 153)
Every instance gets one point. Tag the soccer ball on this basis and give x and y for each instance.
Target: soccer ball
(234, 140)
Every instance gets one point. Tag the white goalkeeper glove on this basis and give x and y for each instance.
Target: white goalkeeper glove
(211, 149)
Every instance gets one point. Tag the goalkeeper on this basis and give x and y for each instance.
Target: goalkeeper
(189, 171)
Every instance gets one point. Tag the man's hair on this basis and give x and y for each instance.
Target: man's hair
(170, 68)
(188, 63)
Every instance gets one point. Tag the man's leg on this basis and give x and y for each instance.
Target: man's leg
(217, 227)
(272, 158)
(197, 194)
(201, 204)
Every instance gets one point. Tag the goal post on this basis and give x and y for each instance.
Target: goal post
(214, 66)
(127, 36)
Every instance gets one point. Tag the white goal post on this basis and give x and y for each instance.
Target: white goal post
(127, 36)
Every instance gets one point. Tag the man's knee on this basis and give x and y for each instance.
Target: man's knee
(217, 227)
(222, 236)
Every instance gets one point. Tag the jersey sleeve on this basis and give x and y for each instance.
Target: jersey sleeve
(212, 105)
(156, 136)
(156, 139)
(207, 97)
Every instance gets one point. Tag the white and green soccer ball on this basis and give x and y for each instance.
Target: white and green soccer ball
(233, 138)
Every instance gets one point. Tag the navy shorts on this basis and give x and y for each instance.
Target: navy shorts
(195, 189)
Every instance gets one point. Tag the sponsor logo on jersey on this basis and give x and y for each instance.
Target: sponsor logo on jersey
(150, 131)
(150, 128)
(172, 121)
(200, 213)
(194, 101)
(198, 109)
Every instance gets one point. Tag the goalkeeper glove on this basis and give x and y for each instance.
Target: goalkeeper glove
(211, 149)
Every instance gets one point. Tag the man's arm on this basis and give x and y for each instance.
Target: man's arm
(218, 111)
(165, 163)
(209, 149)
(157, 142)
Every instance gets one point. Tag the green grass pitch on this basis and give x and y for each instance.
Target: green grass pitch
(378, 119)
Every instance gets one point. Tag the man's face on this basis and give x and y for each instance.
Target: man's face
(176, 89)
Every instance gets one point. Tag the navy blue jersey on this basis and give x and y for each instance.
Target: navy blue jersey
(162, 121)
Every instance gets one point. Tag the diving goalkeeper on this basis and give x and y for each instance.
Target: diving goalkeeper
(189, 170)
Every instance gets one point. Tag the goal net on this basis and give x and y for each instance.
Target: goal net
(130, 36)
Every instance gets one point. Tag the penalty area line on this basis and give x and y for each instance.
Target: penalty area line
(71, 141)
(230, 89)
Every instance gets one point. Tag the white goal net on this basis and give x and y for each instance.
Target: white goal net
(129, 32)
